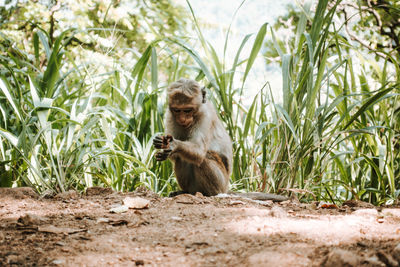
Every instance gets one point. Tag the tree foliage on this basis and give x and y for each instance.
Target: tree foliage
(374, 24)
(100, 26)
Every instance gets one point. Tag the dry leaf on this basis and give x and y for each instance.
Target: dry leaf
(136, 202)
(119, 209)
(102, 220)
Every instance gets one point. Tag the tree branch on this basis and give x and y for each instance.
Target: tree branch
(354, 37)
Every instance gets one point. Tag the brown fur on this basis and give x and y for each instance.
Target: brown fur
(201, 152)
(218, 159)
(180, 98)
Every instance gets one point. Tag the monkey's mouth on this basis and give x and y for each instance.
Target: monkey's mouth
(185, 125)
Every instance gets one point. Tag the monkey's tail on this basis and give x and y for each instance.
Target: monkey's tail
(259, 196)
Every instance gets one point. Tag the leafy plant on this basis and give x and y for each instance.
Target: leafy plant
(68, 123)
(331, 136)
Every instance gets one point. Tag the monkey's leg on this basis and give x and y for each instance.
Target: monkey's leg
(211, 177)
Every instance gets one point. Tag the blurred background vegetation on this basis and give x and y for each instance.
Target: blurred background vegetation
(82, 95)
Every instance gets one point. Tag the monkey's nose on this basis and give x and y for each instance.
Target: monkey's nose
(183, 123)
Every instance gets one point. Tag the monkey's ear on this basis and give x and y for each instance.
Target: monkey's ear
(203, 92)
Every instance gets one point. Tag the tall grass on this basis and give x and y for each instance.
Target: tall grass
(62, 130)
(333, 137)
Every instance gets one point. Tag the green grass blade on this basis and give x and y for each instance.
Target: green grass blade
(254, 51)
(200, 62)
(44, 40)
(9, 136)
(36, 46)
(235, 61)
(286, 81)
(154, 69)
(10, 99)
(369, 103)
(288, 121)
(249, 116)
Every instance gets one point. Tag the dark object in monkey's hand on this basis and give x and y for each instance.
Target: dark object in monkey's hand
(162, 142)
(163, 155)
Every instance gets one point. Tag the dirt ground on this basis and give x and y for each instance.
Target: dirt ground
(106, 228)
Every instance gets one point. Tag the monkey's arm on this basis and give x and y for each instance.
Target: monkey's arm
(194, 148)
(192, 151)
(162, 142)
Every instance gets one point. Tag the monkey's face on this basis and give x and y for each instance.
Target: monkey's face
(183, 114)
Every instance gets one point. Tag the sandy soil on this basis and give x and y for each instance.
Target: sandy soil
(74, 230)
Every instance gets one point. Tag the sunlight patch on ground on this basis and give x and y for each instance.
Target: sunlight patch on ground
(321, 229)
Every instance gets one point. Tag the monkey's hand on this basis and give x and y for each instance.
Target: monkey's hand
(163, 155)
(162, 142)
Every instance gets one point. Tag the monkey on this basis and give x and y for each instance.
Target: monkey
(197, 143)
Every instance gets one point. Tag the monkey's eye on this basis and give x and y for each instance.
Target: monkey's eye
(185, 110)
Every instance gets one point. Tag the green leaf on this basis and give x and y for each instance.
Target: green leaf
(286, 81)
(254, 51)
(370, 102)
(249, 117)
(43, 39)
(9, 136)
(286, 118)
(36, 46)
(197, 58)
(10, 99)
(154, 69)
